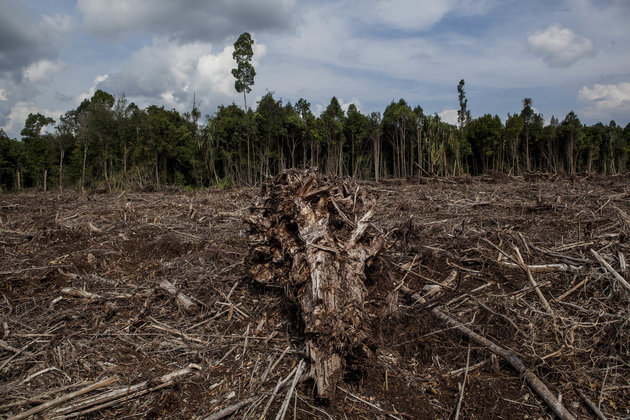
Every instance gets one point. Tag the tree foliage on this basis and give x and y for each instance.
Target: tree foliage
(107, 142)
(244, 72)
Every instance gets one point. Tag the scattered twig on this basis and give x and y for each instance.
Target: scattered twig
(463, 385)
(183, 300)
(611, 270)
(60, 400)
(592, 406)
(231, 409)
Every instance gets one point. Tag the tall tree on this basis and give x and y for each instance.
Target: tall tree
(532, 128)
(65, 137)
(332, 121)
(463, 115)
(374, 129)
(570, 132)
(244, 72)
(36, 145)
(513, 128)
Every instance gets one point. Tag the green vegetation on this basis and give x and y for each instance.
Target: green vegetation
(108, 143)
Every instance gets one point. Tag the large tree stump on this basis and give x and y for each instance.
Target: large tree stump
(310, 235)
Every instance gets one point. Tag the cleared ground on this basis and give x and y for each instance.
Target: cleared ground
(239, 341)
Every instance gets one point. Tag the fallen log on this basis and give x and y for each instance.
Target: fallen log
(310, 235)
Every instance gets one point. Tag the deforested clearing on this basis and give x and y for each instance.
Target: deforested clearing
(144, 304)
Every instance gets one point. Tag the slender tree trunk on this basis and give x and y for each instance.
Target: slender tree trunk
(125, 161)
(19, 181)
(61, 154)
(245, 100)
(249, 164)
(85, 149)
(45, 179)
(527, 163)
(419, 152)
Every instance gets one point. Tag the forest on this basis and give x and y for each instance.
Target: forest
(107, 142)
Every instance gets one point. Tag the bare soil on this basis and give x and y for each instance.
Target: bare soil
(242, 339)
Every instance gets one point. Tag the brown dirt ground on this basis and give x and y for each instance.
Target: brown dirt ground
(122, 245)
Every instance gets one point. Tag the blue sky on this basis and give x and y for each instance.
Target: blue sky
(566, 55)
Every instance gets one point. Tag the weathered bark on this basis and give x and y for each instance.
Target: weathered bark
(310, 235)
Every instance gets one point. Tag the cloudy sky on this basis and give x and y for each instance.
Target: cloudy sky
(564, 54)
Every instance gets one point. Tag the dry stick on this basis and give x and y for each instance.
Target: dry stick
(71, 291)
(513, 360)
(285, 404)
(188, 305)
(17, 353)
(281, 382)
(230, 409)
(357, 398)
(533, 282)
(461, 393)
(129, 391)
(571, 290)
(64, 398)
(612, 271)
(272, 367)
(543, 268)
(111, 403)
(592, 406)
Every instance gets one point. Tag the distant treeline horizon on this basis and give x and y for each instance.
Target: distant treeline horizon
(108, 142)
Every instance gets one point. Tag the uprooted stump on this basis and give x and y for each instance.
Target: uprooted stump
(310, 235)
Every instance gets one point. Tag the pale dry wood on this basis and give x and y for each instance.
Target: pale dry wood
(231, 409)
(60, 400)
(273, 395)
(463, 385)
(611, 270)
(364, 401)
(536, 384)
(592, 406)
(183, 300)
(74, 292)
(297, 242)
(571, 290)
(132, 390)
(533, 282)
(285, 404)
(544, 268)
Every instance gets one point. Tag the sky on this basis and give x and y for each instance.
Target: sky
(567, 55)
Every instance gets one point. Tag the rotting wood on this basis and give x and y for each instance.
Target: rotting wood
(311, 235)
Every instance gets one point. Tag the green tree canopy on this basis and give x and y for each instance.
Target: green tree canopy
(244, 72)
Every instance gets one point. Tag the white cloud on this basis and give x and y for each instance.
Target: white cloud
(410, 14)
(605, 100)
(172, 72)
(87, 95)
(418, 15)
(345, 105)
(449, 115)
(19, 113)
(41, 70)
(3, 95)
(214, 71)
(560, 47)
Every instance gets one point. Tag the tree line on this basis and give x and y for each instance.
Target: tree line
(108, 142)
